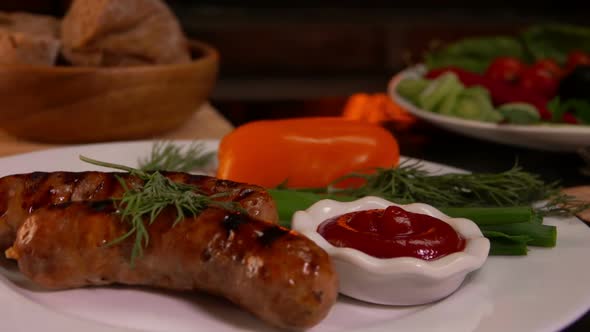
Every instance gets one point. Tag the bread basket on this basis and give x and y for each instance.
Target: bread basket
(90, 104)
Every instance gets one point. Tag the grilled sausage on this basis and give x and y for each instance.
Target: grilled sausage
(280, 276)
(21, 194)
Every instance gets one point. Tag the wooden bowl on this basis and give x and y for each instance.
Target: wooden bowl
(87, 104)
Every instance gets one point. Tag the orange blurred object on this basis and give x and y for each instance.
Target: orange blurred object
(304, 152)
(376, 108)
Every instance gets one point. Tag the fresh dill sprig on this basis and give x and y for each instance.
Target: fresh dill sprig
(562, 204)
(410, 182)
(142, 204)
(167, 156)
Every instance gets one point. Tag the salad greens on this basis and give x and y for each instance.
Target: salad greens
(475, 54)
(537, 42)
(579, 107)
(554, 41)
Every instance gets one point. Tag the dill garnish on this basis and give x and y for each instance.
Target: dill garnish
(141, 205)
(409, 183)
(166, 156)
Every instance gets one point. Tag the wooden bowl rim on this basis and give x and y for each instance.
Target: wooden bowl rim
(208, 53)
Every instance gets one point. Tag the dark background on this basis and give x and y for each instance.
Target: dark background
(307, 49)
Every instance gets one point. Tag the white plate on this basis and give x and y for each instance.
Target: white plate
(549, 137)
(543, 291)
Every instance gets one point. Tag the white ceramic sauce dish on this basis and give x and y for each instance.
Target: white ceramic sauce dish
(395, 281)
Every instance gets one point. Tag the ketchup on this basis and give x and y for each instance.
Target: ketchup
(392, 232)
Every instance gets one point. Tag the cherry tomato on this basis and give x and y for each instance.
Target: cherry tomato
(506, 69)
(577, 58)
(551, 66)
(570, 118)
(542, 77)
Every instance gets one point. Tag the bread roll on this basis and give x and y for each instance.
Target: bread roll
(28, 39)
(122, 33)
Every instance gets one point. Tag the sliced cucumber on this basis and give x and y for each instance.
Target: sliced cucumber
(437, 90)
(448, 105)
(520, 113)
(493, 116)
(478, 92)
(467, 108)
(410, 88)
(474, 103)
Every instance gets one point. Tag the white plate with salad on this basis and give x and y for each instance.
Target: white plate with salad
(543, 291)
(541, 136)
(528, 89)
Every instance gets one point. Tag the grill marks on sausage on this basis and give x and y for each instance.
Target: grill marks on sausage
(199, 181)
(95, 186)
(209, 185)
(224, 185)
(100, 206)
(38, 177)
(232, 221)
(61, 206)
(272, 234)
(43, 188)
(33, 194)
(245, 193)
(23, 194)
(265, 237)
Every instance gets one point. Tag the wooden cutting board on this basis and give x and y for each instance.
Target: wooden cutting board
(206, 122)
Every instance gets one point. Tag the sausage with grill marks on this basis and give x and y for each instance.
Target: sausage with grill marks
(24, 193)
(277, 274)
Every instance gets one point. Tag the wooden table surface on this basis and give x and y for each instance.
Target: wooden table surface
(206, 122)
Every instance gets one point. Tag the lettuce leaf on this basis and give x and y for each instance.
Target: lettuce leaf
(475, 54)
(578, 107)
(555, 41)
